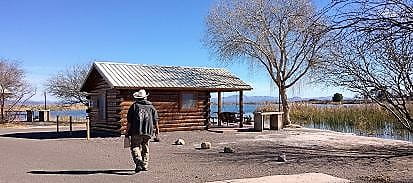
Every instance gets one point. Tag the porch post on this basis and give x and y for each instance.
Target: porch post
(219, 108)
(241, 109)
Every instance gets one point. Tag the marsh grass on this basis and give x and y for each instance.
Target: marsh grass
(362, 117)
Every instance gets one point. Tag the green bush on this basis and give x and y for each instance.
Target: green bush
(337, 97)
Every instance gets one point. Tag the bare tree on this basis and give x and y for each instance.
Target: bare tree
(374, 56)
(65, 85)
(285, 37)
(14, 89)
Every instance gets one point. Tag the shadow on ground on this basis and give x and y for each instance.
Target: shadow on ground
(268, 154)
(53, 135)
(83, 172)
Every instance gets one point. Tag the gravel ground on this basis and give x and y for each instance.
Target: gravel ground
(37, 155)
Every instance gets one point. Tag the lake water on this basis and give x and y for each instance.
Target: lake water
(384, 130)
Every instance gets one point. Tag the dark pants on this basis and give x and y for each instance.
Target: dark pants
(140, 150)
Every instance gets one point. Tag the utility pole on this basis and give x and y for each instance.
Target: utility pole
(45, 106)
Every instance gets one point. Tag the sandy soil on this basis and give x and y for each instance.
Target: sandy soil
(39, 155)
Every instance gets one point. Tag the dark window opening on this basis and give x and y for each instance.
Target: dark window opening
(188, 101)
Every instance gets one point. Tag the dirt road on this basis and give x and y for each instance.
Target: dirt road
(38, 155)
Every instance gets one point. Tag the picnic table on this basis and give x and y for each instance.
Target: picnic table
(227, 117)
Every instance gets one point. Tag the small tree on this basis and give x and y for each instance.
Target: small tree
(14, 89)
(65, 85)
(337, 97)
(285, 37)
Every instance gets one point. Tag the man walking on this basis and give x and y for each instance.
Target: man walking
(142, 119)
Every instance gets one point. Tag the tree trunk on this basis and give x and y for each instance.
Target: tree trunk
(286, 108)
(2, 108)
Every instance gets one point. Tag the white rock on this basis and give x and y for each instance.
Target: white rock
(180, 142)
(205, 145)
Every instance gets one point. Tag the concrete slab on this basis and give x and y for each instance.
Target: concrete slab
(297, 178)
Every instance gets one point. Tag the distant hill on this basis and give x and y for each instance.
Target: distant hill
(247, 99)
(31, 102)
(262, 99)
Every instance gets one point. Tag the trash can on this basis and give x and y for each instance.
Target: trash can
(44, 115)
(29, 115)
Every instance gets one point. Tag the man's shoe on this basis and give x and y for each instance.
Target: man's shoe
(138, 169)
(144, 169)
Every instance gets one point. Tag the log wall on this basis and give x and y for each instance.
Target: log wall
(108, 123)
(171, 116)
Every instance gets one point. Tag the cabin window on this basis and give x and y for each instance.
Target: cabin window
(93, 103)
(188, 101)
(101, 103)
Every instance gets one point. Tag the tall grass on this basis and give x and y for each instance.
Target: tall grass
(366, 117)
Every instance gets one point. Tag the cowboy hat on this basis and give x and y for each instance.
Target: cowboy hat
(140, 94)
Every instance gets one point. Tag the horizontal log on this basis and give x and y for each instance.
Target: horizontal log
(183, 113)
(183, 128)
(113, 112)
(180, 125)
(181, 121)
(105, 124)
(113, 104)
(113, 118)
(105, 129)
(181, 117)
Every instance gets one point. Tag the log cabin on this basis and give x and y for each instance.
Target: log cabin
(181, 95)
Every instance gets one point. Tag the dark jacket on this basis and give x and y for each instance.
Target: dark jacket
(142, 117)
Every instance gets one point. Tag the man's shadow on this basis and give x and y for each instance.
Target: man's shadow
(82, 172)
(48, 135)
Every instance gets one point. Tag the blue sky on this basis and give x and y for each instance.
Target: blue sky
(47, 36)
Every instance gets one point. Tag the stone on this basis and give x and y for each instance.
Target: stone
(293, 126)
(206, 145)
(228, 150)
(281, 158)
(180, 142)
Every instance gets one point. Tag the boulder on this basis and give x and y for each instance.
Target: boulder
(180, 142)
(281, 158)
(228, 150)
(206, 145)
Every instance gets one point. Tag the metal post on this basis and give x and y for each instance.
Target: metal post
(87, 128)
(70, 125)
(57, 124)
(219, 108)
(241, 109)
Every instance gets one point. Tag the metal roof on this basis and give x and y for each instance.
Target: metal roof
(124, 75)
